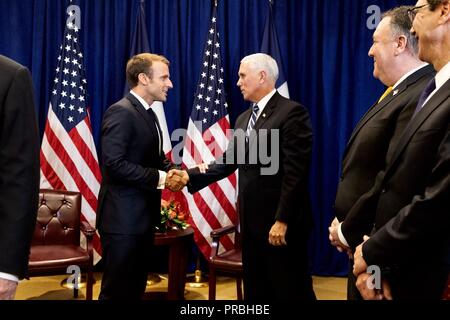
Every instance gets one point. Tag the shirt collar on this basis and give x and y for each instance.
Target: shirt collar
(142, 101)
(406, 75)
(263, 102)
(443, 75)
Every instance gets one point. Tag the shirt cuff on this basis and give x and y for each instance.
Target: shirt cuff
(162, 180)
(341, 236)
(8, 276)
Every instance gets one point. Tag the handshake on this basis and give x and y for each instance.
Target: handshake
(176, 180)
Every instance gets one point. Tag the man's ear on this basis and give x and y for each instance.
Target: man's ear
(402, 42)
(142, 79)
(445, 12)
(262, 76)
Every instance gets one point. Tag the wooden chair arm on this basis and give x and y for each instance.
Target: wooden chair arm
(87, 229)
(217, 233)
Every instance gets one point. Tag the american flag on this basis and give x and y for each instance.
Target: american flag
(215, 206)
(68, 155)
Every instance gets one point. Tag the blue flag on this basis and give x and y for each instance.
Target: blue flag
(140, 44)
(271, 47)
(139, 39)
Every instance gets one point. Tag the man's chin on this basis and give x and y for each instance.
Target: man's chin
(422, 55)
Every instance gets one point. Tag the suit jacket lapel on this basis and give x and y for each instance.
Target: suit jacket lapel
(151, 122)
(265, 114)
(432, 104)
(140, 108)
(377, 107)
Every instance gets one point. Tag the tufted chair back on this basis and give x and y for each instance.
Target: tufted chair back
(58, 218)
(446, 295)
(56, 240)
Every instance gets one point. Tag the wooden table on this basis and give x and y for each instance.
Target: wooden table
(179, 242)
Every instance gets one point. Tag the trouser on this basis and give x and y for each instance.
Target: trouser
(126, 259)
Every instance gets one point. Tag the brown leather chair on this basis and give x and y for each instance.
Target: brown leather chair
(446, 295)
(56, 239)
(226, 263)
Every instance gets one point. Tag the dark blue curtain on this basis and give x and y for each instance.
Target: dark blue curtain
(323, 45)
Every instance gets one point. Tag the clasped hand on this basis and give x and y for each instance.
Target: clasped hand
(176, 180)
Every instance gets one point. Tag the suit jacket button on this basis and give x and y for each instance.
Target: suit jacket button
(384, 190)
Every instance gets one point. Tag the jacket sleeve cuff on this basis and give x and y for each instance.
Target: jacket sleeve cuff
(162, 180)
(341, 236)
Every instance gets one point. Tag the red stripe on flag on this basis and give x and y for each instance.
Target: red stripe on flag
(215, 187)
(225, 125)
(210, 217)
(71, 167)
(201, 242)
(50, 174)
(87, 120)
(86, 153)
(223, 200)
(56, 183)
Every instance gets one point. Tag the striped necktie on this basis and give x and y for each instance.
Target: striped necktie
(252, 121)
(388, 90)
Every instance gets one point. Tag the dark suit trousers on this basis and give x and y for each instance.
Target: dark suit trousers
(126, 259)
(425, 283)
(352, 290)
(275, 273)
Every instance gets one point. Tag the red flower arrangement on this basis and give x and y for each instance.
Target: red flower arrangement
(172, 217)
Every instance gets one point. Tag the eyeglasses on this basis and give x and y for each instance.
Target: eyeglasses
(413, 11)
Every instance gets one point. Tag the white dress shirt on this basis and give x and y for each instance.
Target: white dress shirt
(162, 174)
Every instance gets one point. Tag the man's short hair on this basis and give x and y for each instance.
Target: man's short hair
(401, 25)
(142, 63)
(435, 3)
(262, 61)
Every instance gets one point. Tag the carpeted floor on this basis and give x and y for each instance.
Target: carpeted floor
(49, 288)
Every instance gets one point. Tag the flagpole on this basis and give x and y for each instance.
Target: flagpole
(199, 279)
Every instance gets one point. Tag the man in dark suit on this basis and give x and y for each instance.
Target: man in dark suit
(19, 173)
(409, 203)
(274, 207)
(397, 66)
(134, 172)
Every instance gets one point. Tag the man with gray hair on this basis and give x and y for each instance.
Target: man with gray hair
(397, 66)
(409, 202)
(274, 209)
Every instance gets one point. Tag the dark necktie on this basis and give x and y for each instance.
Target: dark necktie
(424, 95)
(252, 121)
(158, 128)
